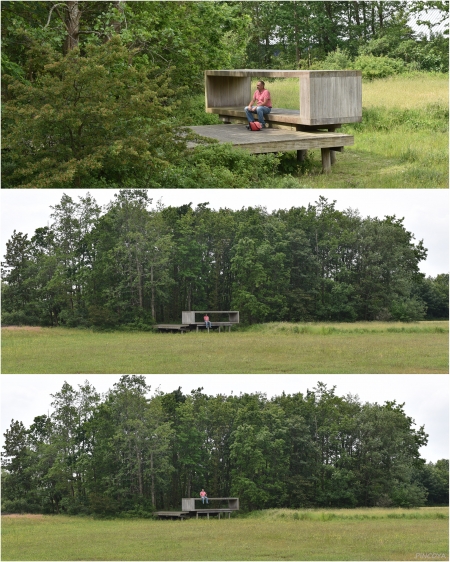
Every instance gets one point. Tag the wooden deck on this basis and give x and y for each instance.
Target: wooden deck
(278, 140)
(182, 328)
(172, 327)
(172, 514)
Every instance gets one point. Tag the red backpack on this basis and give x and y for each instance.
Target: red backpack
(254, 126)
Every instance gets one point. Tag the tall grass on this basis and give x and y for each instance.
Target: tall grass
(360, 514)
(402, 141)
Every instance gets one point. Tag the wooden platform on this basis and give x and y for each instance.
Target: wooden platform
(183, 328)
(172, 327)
(172, 514)
(278, 140)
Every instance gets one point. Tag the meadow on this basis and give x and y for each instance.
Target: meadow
(362, 347)
(401, 143)
(360, 534)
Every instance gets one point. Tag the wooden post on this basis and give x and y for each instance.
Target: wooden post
(326, 160)
(301, 155)
(332, 157)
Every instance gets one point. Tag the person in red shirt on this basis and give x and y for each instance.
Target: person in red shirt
(261, 104)
(207, 322)
(204, 496)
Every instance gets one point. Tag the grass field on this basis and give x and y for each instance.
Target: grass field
(402, 142)
(286, 535)
(270, 348)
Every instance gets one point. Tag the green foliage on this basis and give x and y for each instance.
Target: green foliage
(134, 266)
(408, 310)
(377, 67)
(127, 454)
(88, 118)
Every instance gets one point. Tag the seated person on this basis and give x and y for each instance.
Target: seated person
(204, 496)
(261, 104)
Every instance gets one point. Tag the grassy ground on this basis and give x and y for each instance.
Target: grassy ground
(370, 537)
(402, 142)
(272, 348)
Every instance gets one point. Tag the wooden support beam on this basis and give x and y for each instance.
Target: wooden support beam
(326, 160)
(301, 155)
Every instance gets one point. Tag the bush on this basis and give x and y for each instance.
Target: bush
(22, 505)
(19, 318)
(408, 310)
(409, 495)
(220, 166)
(337, 60)
(378, 67)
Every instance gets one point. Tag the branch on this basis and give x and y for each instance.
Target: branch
(50, 14)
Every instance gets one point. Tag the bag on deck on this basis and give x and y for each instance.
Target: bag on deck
(254, 126)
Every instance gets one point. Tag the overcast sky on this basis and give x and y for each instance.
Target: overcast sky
(425, 210)
(425, 396)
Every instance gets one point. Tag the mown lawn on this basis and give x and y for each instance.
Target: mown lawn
(272, 348)
(376, 537)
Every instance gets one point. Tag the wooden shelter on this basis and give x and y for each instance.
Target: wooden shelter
(328, 99)
(189, 321)
(188, 508)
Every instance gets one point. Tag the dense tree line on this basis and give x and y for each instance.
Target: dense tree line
(127, 453)
(134, 265)
(95, 93)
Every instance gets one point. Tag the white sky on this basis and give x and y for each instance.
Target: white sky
(425, 210)
(24, 397)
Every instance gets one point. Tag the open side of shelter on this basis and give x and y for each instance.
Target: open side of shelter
(190, 321)
(328, 99)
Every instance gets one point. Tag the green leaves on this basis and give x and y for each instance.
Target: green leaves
(86, 117)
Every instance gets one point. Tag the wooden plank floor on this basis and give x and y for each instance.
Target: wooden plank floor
(272, 140)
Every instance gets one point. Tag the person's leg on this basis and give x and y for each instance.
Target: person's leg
(261, 111)
(249, 115)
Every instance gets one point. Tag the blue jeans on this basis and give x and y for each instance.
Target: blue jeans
(261, 110)
(204, 498)
(208, 325)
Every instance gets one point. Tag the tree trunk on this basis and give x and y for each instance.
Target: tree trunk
(153, 480)
(153, 293)
(72, 23)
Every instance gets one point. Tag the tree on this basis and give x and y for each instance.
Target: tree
(89, 120)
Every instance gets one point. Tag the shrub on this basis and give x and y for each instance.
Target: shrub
(19, 318)
(408, 310)
(378, 67)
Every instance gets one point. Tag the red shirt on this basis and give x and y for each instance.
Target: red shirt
(262, 97)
